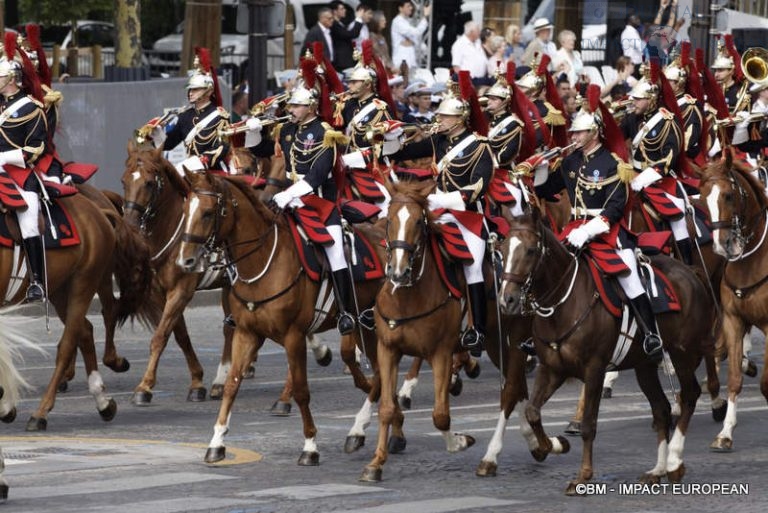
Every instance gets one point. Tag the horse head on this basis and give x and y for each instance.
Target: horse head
(208, 218)
(406, 230)
(522, 252)
(735, 202)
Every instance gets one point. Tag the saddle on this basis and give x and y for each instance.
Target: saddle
(59, 229)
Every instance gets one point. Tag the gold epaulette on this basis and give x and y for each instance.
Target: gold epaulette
(224, 113)
(689, 99)
(51, 97)
(624, 170)
(666, 114)
(554, 117)
(36, 101)
(380, 104)
(334, 137)
(480, 138)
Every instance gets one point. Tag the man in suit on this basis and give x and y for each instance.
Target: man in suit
(322, 32)
(343, 37)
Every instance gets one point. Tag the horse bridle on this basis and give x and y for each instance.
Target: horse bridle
(209, 243)
(413, 251)
(735, 225)
(147, 212)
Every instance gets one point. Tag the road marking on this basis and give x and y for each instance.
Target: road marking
(302, 493)
(440, 505)
(121, 484)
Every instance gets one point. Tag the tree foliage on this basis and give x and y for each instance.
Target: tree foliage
(55, 12)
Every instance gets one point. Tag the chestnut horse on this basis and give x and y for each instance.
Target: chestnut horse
(575, 336)
(738, 209)
(154, 202)
(272, 297)
(75, 274)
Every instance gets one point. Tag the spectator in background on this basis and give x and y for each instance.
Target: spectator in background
(365, 33)
(321, 32)
(380, 46)
(568, 60)
(515, 47)
(562, 84)
(496, 45)
(397, 88)
(342, 36)
(485, 40)
(468, 54)
(239, 109)
(570, 104)
(624, 80)
(406, 37)
(631, 43)
(540, 44)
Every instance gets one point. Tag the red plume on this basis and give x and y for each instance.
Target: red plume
(29, 80)
(33, 36)
(593, 97)
(477, 120)
(543, 65)
(685, 53)
(367, 52)
(738, 73)
(655, 68)
(10, 45)
(204, 55)
(331, 77)
(714, 92)
(511, 70)
(307, 69)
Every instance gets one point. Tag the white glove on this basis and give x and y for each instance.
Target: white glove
(577, 237)
(450, 200)
(253, 123)
(541, 173)
(282, 199)
(589, 230)
(54, 179)
(645, 179)
(391, 146)
(741, 130)
(12, 157)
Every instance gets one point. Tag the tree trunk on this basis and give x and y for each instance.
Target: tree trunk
(128, 36)
(200, 30)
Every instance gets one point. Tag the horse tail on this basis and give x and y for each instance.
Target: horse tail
(133, 274)
(12, 341)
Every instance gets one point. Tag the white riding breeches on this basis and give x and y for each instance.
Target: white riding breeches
(472, 272)
(28, 217)
(679, 226)
(335, 251)
(630, 283)
(517, 208)
(384, 204)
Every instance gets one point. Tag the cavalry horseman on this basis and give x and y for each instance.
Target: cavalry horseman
(24, 135)
(658, 153)
(368, 103)
(309, 146)
(683, 77)
(464, 163)
(199, 124)
(728, 73)
(538, 86)
(596, 176)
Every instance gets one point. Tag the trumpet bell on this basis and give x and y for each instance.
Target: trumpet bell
(754, 63)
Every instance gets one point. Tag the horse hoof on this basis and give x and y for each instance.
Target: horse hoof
(396, 445)
(530, 364)
(371, 475)
(142, 398)
(353, 443)
(721, 444)
(751, 369)
(486, 469)
(109, 412)
(215, 454)
(474, 372)
(280, 409)
(650, 479)
(63, 387)
(457, 386)
(718, 412)
(573, 488)
(250, 373)
(217, 392)
(196, 395)
(470, 441)
(327, 358)
(607, 392)
(405, 402)
(120, 365)
(539, 454)
(309, 459)
(34, 424)
(9, 417)
(676, 476)
(573, 428)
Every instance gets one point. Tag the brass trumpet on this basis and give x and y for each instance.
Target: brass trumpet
(341, 97)
(240, 126)
(375, 133)
(268, 103)
(735, 120)
(143, 133)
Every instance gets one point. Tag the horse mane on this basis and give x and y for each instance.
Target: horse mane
(160, 165)
(253, 197)
(415, 191)
(721, 167)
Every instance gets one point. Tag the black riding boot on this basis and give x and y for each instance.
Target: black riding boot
(652, 342)
(685, 247)
(473, 337)
(342, 289)
(33, 246)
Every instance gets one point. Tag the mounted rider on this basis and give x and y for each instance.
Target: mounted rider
(686, 84)
(596, 176)
(24, 135)
(309, 145)
(464, 163)
(198, 125)
(728, 72)
(538, 86)
(658, 154)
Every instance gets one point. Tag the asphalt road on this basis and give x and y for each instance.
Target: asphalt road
(150, 459)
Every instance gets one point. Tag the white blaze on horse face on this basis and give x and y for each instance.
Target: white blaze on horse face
(399, 254)
(714, 216)
(194, 205)
(514, 242)
(136, 176)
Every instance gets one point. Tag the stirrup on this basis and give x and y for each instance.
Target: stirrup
(229, 321)
(473, 340)
(528, 347)
(652, 346)
(346, 323)
(35, 293)
(367, 320)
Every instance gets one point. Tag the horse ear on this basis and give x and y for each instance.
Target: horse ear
(132, 146)
(729, 159)
(389, 185)
(536, 214)
(158, 152)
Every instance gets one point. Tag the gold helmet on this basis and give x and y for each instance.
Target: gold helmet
(535, 80)
(305, 92)
(363, 70)
(10, 62)
(453, 104)
(500, 88)
(199, 78)
(723, 59)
